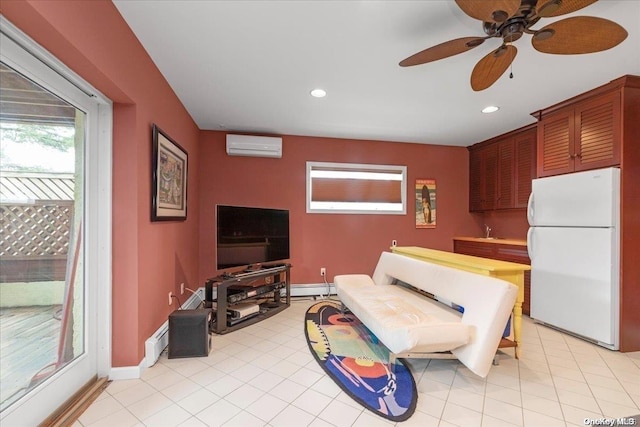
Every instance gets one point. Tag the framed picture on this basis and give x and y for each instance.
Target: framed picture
(425, 203)
(169, 182)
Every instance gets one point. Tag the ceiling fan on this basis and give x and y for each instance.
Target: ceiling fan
(509, 20)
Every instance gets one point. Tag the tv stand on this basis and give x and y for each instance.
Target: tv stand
(247, 297)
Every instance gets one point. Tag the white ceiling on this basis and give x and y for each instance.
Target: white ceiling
(248, 66)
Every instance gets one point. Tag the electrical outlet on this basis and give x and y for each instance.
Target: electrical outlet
(170, 297)
(182, 288)
(323, 271)
(394, 243)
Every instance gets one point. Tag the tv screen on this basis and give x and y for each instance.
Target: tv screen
(248, 235)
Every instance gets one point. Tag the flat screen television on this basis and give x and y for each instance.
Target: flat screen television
(247, 236)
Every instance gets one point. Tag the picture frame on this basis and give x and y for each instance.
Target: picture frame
(425, 197)
(169, 178)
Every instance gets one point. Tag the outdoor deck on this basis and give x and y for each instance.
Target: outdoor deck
(30, 338)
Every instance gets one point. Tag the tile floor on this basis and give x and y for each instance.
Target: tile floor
(264, 375)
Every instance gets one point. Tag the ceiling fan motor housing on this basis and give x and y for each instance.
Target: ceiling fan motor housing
(512, 30)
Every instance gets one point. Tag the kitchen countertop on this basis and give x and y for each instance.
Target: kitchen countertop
(498, 240)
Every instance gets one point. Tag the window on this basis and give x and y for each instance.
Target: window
(356, 188)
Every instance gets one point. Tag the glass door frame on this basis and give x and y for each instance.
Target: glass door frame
(27, 57)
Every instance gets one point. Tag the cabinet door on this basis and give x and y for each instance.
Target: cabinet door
(525, 167)
(490, 177)
(506, 163)
(475, 180)
(483, 250)
(598, 133)
(483, 165)
(555, 143)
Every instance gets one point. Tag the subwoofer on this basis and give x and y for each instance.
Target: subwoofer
(189, 333)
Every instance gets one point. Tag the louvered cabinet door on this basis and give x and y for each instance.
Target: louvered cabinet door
(555, 143)
(483, 178)
(598, 133)
(475, 181)
(490, 177)
(525, 167)
(506, 163)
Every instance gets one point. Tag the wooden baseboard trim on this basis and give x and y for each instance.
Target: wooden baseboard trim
(71, 410)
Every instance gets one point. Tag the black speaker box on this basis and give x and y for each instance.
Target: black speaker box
(189, 333)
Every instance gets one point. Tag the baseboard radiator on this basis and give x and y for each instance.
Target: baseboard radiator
(155, 345)
(312, 290)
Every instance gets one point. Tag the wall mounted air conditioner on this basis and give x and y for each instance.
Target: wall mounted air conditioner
(254, 146)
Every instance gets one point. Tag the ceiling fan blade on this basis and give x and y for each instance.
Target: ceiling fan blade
(489, 10)
(549, 8)
(577, 35)
(492, 66)
(442, 50)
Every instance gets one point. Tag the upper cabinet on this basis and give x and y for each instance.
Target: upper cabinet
(585, 135)
(483, 163)
(501, 170)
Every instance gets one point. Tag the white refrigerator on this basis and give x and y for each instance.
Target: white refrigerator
(573, 243)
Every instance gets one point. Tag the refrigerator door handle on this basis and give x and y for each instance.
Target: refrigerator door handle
(530, 209)
(530, 243)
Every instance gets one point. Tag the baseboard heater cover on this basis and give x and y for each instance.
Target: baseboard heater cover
(155, 345)
(311, 290)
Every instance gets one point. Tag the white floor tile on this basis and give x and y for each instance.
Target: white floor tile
(100, 409)
(287, 390)
(265, 375)
(245, 419)
(312, 402)
(459, 415)
(244, 396)
(266, 407)
(340, 414)
(218, 413)
(199, 400)
(541, 405)
(149, 405)
(292, 416)
(173, 415)
(224, 385)
(121, 418)
(503, 411)
(181, 389)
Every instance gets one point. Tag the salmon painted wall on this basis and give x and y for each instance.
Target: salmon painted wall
(508, 223)
(149, 259)
(342, 243)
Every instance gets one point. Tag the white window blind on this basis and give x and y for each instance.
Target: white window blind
(356, 188)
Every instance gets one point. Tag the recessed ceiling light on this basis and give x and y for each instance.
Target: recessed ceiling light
(490, 109)
(318, 93)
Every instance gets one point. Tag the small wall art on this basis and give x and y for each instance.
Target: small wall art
(425, 196)
(169, 181)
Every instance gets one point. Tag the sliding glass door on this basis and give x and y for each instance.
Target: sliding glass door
(49, 243)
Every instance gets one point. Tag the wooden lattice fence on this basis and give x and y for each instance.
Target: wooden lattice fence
(34, 240)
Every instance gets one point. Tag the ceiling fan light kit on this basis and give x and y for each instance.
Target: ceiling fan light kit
(509, 20)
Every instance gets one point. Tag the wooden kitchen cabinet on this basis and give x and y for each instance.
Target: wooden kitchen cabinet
(501, 170)
(483, 163)
(502, 250)
(583, 136)
(525, 166)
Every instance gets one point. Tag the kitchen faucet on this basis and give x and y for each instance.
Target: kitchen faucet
(487, 231)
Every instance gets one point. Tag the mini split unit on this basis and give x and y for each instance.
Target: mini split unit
(254, 146)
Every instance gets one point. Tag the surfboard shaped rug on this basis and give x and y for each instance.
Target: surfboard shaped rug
(359, 363)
